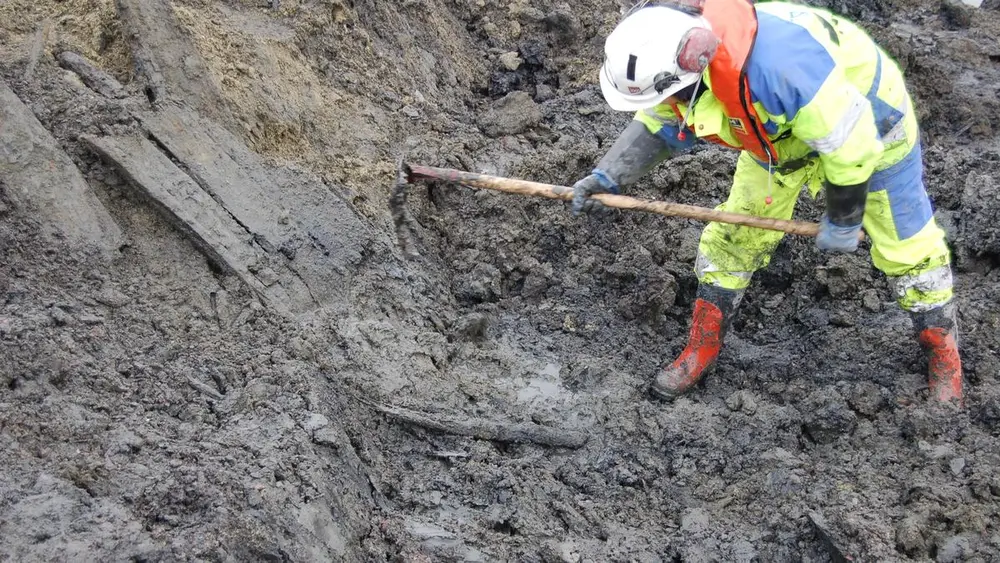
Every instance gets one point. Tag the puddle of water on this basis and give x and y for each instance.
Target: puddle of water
(973, 3)
(473, 555)
(538, 388)
(551, 371)
(432, 535)
(546, 386)
(424, 530)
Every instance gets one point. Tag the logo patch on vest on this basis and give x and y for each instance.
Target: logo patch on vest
(737, 125)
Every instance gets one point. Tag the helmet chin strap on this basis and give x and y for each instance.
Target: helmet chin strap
(681, 135)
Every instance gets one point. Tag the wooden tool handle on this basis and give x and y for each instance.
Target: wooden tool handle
(550, 191)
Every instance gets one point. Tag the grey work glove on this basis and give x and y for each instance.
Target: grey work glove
(837, 238)
(596, 183)
(845, 211)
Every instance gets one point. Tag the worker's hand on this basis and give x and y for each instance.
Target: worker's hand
(836, 238)
(596, 183)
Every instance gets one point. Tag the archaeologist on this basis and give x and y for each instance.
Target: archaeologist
(810, 101)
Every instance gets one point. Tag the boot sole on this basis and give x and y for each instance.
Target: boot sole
(663, 394)
(666, 395)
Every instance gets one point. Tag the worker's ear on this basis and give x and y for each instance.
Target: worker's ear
(698, 47)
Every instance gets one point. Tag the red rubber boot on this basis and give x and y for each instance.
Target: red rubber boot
(944, 373)
(937, 332)
(713, 311)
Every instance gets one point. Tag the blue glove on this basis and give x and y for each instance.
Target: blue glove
(836, 238)
(598, 182)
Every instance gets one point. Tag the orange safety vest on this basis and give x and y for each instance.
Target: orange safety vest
(734, 22)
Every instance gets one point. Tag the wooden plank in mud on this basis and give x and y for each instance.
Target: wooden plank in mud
(294, 215)
(167, 59)
(96, 79)
(214, 231)
(40, 177)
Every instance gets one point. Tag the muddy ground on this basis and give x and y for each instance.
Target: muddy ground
(154, 409)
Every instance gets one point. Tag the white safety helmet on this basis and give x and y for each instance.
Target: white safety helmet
(654, 53)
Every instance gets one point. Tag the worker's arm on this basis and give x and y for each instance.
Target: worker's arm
(633, 153)
(648, 140)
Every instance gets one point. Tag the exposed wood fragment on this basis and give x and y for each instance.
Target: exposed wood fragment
(214, 231)
(489, 429)
(204, 389)
(167, 59)
(321, 237)
(95, 78)
(39, 176)
(38, 42)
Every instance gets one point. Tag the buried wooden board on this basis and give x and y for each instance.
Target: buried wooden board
(40, 177)
(166, 58)
(295, 215)
(214, 231)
